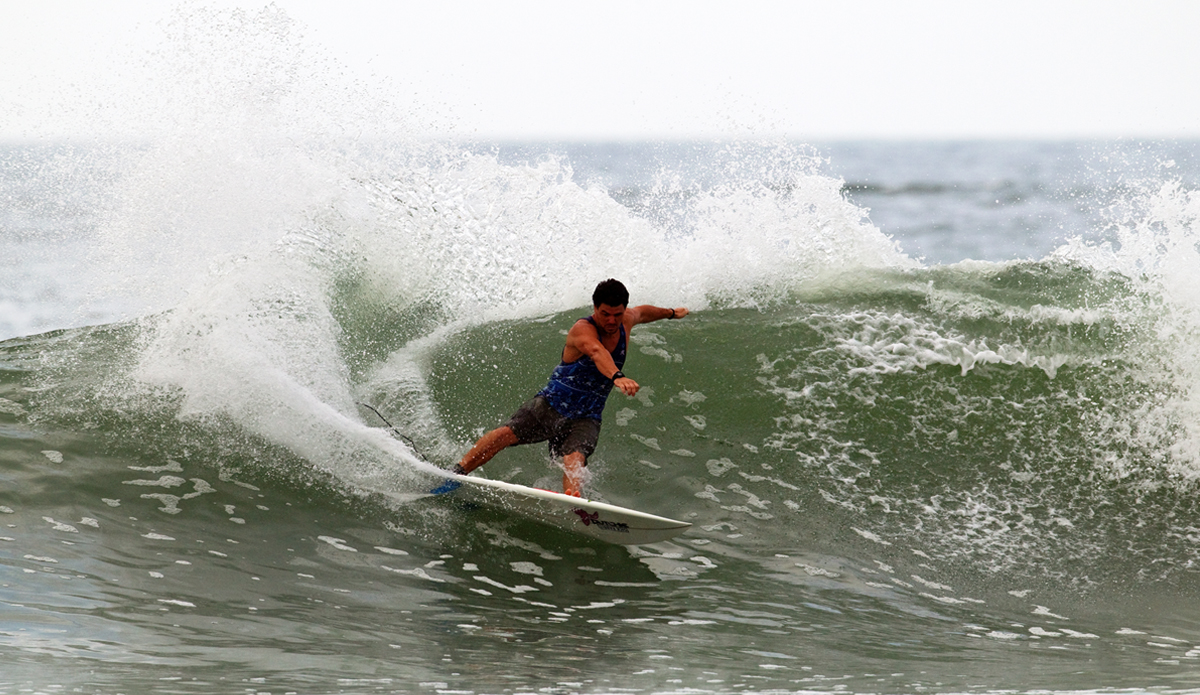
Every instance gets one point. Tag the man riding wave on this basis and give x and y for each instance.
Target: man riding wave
(566, 413)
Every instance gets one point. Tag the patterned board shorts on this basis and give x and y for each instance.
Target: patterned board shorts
(535, 421)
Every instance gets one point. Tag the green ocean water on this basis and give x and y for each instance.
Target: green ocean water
(900, 480)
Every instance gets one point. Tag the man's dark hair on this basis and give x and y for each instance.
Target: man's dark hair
(610, 292)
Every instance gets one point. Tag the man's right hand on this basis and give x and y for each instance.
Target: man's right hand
(628, 386)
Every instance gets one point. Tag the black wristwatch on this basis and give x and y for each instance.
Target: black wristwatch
(618, 375)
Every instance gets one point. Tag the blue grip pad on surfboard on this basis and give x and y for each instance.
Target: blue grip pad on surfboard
(449, 485)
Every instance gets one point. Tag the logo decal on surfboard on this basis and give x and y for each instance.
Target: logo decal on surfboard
(593, 518)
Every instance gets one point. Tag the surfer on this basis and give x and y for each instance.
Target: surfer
(567, 412)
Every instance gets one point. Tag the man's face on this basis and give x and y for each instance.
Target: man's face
(609, 317)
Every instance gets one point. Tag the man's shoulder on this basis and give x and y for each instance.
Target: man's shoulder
(633, 316)
(583, 327)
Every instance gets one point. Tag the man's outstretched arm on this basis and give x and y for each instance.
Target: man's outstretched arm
(647, 313)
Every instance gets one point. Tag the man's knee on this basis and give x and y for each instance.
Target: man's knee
(500, 438)
(505, 435)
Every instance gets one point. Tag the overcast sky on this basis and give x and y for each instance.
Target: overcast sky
(636, 70)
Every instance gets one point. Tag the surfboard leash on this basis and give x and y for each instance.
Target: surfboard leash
(397, 432)
(449, 485)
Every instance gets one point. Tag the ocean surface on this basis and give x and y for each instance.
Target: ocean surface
(935, 416)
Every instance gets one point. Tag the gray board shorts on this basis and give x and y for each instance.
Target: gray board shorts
(535, 421)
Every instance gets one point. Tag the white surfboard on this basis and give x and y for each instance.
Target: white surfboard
(606, 522)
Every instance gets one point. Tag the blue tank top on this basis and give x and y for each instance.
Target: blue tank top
(577, 389)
